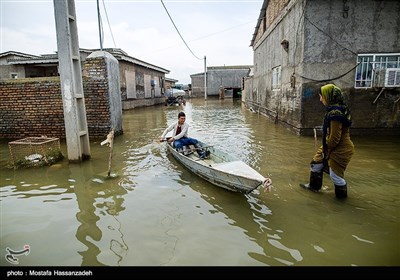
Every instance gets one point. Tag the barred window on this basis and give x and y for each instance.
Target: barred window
(377, 70)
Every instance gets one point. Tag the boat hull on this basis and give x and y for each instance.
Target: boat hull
(221, 169)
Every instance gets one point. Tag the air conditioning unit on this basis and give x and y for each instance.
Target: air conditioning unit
(379, 77)
(392, 77)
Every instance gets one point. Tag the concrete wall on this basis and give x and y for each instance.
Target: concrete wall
(226, 76)
(197, 85)
(7, 70)
(324, 40)
(33, 106)
(278, 104)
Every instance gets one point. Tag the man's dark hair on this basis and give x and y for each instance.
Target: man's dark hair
(181, 114)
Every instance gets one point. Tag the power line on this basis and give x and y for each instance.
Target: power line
(329, 36)
(205, 36)
(100, 25)
(178, 31)
(332, 79)
(109, 25)
(224, 30)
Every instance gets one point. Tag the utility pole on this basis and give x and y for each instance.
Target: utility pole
(99, 21)
(69, 64)
(205, 79)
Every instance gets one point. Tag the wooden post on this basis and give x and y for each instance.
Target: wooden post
(109, 141)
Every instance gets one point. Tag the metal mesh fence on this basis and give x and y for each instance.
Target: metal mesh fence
(33, 151)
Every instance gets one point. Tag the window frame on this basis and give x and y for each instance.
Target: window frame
(276, 77)
(371, 69)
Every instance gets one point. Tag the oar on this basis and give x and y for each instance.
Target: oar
(164, 140)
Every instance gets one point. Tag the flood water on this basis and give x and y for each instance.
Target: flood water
(156, 213)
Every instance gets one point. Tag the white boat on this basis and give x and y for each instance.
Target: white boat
(221, 169)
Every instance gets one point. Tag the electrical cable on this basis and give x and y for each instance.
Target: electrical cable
(179, 32)
(332, 79)
(330, 37)
(109, 25)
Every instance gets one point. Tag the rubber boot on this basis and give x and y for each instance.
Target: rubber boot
(341, 191)
(315, 182)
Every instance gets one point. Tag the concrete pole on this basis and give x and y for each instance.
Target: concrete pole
(99, 22)
(205, 78)
(69, 64)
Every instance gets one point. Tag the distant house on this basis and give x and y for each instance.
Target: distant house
(170, 83)
(301, 45)
(142, 83)
(33, 65)
(230, 78)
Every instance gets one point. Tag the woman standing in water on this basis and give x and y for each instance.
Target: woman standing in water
(337, 148)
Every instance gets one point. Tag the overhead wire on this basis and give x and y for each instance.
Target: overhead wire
(331, 79)
(109, 25)
(304, 17)
(329, 36)
(339, 44)
(101, 33)
(297, 35)
(176, 28)
(207, 35)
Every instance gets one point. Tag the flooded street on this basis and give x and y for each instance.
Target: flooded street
(157, 213)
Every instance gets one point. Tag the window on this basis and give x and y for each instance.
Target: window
(372, 69)
(14, 76)
(392, 78)
(276, 77)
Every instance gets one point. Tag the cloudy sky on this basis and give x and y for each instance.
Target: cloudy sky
(220, 30)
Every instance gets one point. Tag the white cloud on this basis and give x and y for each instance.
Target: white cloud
(219, 30)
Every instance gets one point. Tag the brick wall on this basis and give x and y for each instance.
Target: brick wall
(33, 106)
(95, 88)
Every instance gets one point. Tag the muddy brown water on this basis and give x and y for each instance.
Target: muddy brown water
(157, 213)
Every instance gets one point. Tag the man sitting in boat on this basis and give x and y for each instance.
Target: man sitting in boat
(180, 137)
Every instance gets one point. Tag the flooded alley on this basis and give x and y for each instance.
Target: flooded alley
(157, 213)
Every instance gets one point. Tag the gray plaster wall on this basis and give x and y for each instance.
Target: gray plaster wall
(334, 38)
(216, 77)
(6, 70)
(324, 40)
(227, 78)
(332, 41)
(279, 104)
(197, 81)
